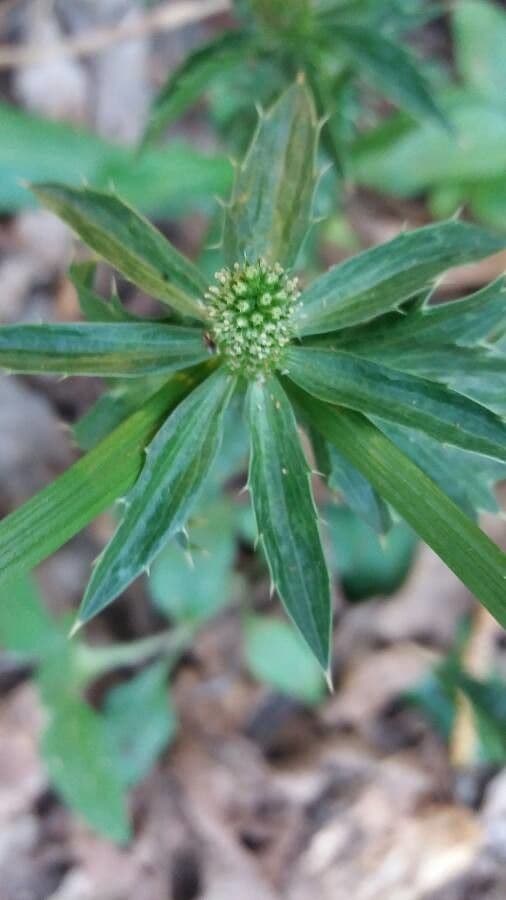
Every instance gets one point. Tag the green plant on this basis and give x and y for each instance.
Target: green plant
(467, 167)
(34, 149)
(338, 45)
(338, 361)
(437, 696)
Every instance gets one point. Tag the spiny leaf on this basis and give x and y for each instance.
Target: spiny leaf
(286, 515)
(270, 210)
(61, 510)
(475, 372)
(478, 562)
(379, 280)
(398, 397)
(126, 349)
(129, 243)
(467, 322)
(177, 463)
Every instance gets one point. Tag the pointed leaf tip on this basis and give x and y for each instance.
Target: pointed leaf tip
(285, 516)
(172, 478)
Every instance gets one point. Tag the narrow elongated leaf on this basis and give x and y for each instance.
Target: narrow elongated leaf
(379, 280)
(126, 349)
(177, 464)
(129, 243)
(477, 561)
(468, 479)
(467, 322)
(286, 516)
(391, 69)
(190, 80)
(368, 387)
(114, 407)
(270, 211)
(476, 372)
(59, 511)
(345, 479)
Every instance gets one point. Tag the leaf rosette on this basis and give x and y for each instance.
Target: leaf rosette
(396, 393)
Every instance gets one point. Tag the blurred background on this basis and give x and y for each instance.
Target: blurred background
(204, 756)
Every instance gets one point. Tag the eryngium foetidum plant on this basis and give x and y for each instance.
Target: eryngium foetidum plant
(403, 400)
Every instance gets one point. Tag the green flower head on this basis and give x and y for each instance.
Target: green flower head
(251, 308)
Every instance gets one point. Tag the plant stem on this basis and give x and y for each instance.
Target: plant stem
(94, 662)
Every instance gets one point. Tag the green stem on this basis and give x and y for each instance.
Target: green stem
(94, 662)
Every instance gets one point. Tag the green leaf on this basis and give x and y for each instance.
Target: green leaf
(379, 280)
(25, 625)
(112, 408)
(478, 562)
(489, 708)
(124, 349)
(467, 322)
(390, 69)
(286, 516)
(177, 463)
(480, 37)
(407, 158)
(475, 372)
(366, 565)
(143, 699)
(61, 510)
(193, 77)
(270, 211)
(194, 586)
(81, 765)
(129, 243)
(398, 397)
(93, 307)
(174, 179)
(276, 656)
(346, 480)
(467, 478)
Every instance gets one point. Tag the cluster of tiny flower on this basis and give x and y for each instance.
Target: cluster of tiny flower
(250, 310)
